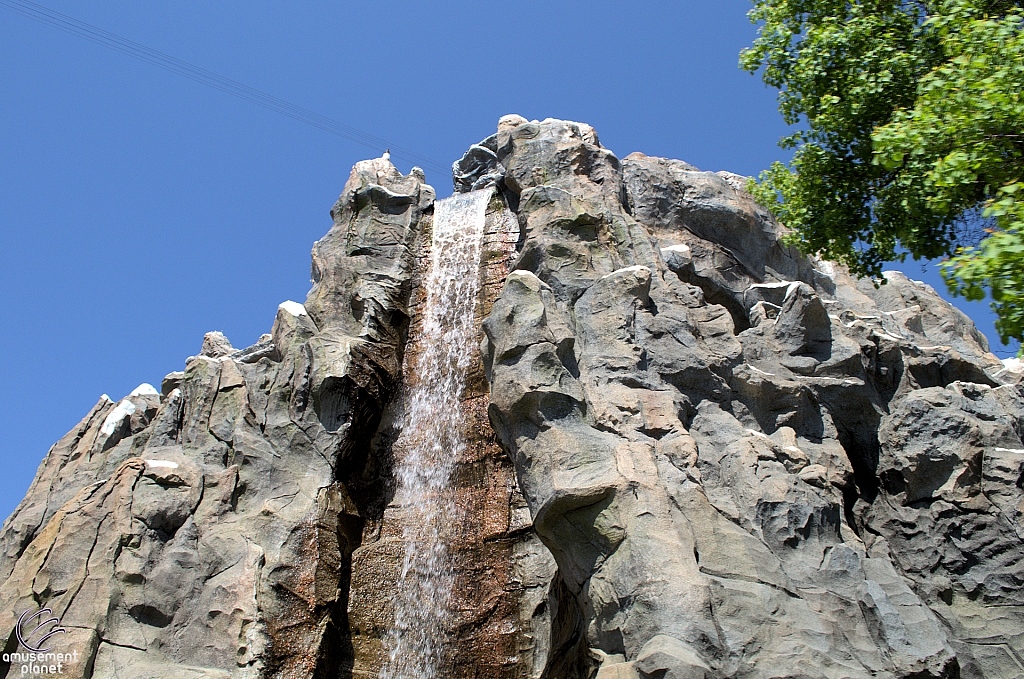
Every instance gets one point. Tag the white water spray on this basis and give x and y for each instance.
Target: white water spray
(433, 430)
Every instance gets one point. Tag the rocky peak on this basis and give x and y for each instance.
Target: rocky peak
(690, 452)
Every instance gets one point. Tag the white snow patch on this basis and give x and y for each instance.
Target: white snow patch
(838, 319)
(636, 268)
(791, 290)
(1016, 451)
(773, 286)
(676, 256)
(162, 463)
(293, 308)
(145, 389)
(1014, 365)
(889, 335)
(857, 318)
(826, 267)
(790, 286)
(104, 397)
(124, 409)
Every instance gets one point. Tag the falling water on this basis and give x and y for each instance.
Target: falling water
(433, 430)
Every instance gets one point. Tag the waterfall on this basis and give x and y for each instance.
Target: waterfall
(433, 432)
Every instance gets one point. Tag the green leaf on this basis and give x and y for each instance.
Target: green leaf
(911, 124)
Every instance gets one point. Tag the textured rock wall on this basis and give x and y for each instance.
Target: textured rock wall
(692, 453)
(745, 463)
(244, 522)
(208, 531)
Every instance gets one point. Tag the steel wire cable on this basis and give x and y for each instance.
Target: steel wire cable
(203, 76)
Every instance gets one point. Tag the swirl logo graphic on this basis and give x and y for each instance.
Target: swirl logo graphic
(26, 635)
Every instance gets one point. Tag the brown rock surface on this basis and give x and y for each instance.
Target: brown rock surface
(503, 573)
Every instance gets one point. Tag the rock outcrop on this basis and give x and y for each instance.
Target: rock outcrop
(745, 463)
(209, 532)
(691, 453)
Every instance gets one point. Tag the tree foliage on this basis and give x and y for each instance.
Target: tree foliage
(911, 136)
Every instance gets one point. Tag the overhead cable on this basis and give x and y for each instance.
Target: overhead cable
(203, 76)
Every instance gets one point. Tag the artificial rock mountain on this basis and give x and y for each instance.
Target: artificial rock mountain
(691, 453)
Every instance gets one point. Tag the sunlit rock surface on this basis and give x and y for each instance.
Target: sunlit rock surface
(690, 452)
(745, 463)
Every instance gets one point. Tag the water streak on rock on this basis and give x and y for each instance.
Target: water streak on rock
(416, 642)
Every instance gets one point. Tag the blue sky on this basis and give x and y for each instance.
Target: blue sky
(139, 209)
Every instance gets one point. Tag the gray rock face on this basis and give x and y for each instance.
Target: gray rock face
(707, 456)
(951, 471)
(208, 532)
(745, 463)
